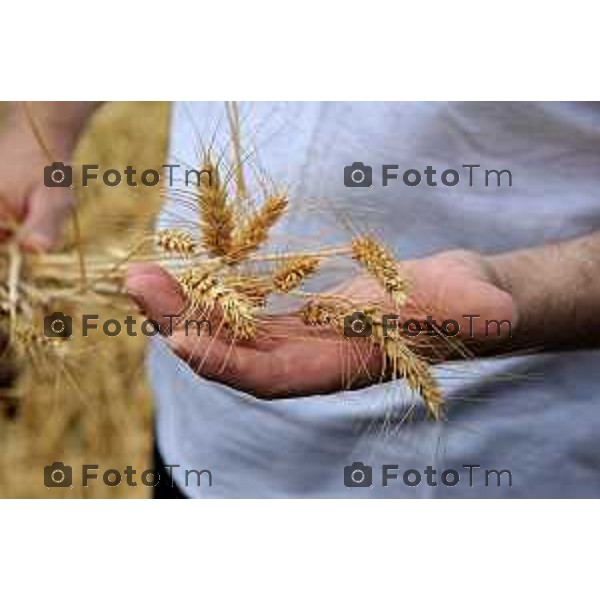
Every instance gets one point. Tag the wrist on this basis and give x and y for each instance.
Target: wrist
(542, 288)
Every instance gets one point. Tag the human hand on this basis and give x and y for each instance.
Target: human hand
(289, 358)
(29, 210)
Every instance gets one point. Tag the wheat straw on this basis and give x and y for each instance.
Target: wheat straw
(403, 362)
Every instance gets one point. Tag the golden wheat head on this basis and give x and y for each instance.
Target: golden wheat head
(381, 265)
(293, 273)
(255, 231)
(216, 214)
(205, 291)
(175, 241)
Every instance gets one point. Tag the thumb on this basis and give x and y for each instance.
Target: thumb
(47, 211)
(155, 292)
(159, 295)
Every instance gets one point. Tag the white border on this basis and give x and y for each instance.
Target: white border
(293, 549)
(304, 50)
(309, 50)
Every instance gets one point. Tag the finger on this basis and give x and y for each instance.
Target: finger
(219, 359)
(209, 354)
(155, 291)
(159, 295)
(47, 212)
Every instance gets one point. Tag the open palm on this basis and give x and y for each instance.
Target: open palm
(288, 358)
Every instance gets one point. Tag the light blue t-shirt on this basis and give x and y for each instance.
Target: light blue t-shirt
(536, 417)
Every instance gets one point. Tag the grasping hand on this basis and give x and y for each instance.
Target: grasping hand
(35, 213)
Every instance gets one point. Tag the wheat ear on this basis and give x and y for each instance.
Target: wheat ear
(216, 214)
(403, 362)
(381, 265)
(175, 241)
(399, 359)
(256, 289)
(254, 232)
(293, 272)
(205, 291)
(323, 312)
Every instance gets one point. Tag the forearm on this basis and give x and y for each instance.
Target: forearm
(556, 289)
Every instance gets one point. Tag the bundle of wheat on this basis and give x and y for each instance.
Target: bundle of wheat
(215, 267)
(85, 400)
